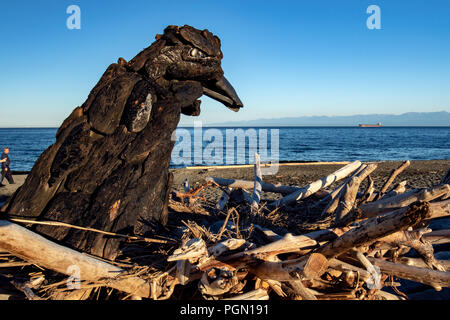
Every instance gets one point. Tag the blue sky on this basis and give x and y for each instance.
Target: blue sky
(284, 58)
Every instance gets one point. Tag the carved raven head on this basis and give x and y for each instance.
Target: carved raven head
(191, 60)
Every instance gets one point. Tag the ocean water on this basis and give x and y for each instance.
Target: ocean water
(294, 144)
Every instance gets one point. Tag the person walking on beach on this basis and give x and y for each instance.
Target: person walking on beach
(6, 171)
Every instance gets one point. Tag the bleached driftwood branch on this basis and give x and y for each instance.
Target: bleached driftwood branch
(438, 237)
(399, 188)
(223, 199)
(315, 186)
(427, 276)
(392, 177)
(384, 205)
(368, 195)
(335, 195)
(418, 262)
(350, 192)
(257, 189)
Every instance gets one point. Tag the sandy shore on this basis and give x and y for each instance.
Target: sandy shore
(419, 174)
(9, 189)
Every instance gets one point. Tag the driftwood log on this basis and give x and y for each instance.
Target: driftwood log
(108, 168)
(422, 275)
(45, 253)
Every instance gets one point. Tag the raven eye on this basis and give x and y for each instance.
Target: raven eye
(195, 53)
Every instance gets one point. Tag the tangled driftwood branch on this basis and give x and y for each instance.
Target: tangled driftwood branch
(354, 258)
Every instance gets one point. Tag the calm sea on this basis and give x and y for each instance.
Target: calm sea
(295, 144)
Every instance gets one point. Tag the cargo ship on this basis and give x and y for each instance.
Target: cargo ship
(370, 125)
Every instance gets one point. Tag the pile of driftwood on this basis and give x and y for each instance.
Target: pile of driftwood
(371, 239)
(355, 258)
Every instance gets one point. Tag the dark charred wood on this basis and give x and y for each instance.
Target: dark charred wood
(446, 178)
(109, 166)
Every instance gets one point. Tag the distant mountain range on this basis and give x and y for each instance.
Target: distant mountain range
(441, 118)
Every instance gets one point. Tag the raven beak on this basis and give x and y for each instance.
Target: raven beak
(224, 92)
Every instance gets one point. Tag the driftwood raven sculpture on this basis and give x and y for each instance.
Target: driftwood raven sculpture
(109, 167)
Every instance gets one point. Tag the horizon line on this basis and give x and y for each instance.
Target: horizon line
(230, 123)
(263, 126)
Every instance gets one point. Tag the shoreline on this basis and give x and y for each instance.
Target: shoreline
(267, 126)
(420, 174)
(280, 163)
